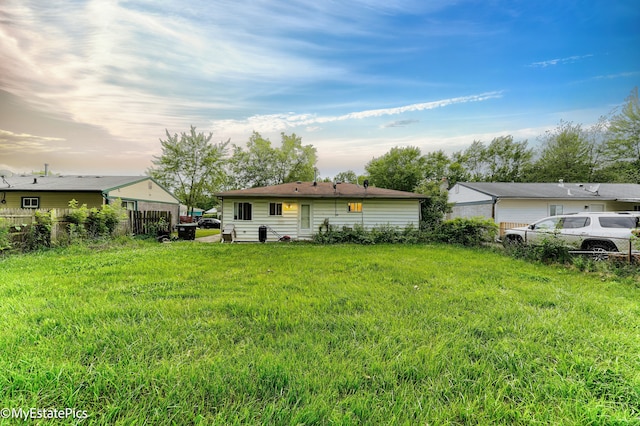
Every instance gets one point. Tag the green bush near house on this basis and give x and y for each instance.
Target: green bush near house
(5, 242)
(474, 231)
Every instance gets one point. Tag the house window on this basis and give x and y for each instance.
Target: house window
(30, 202)
(129, 205)
(275, 209)
(242, 211)
(555, 209)
(636, 208)
(354, 207)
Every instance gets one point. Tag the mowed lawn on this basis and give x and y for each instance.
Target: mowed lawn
(188, 333)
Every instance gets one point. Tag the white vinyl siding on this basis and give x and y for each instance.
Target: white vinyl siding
(398, 213)
(285, 224)
(375, 212)
(529, 211)
(146, 190)
(462, 194)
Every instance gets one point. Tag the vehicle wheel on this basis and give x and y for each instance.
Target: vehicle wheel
(600, 249)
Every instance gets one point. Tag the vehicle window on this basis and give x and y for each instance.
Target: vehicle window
(618, 222)
(550, 223)
(575, 222)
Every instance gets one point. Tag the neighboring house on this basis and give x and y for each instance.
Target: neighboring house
(523, 203)
(139, 193)
(298, 210)
(194, 213)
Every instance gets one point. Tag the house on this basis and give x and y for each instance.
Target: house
(139, 193)
(299, 209)
(523, 203)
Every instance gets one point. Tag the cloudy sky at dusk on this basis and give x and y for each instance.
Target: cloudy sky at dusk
(89, 86)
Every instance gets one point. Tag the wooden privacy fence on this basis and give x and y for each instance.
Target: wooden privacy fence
(20, 217)
(509, 225)
(149, 222)
(135, 223)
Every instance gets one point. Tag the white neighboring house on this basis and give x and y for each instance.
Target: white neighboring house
(299, 209)
(513, 204)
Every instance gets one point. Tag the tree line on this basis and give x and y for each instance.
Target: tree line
(194, 168)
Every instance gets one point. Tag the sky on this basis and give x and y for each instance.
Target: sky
(92, 86)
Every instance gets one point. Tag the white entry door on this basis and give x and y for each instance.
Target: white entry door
(305, 221)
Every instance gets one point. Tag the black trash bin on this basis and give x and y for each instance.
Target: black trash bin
(187, 231)
(262, 233)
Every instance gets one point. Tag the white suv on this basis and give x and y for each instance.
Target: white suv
(607, 231)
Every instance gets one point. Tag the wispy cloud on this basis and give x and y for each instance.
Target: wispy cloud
(617, 75)
(559, 61)
(11, 143)
(400, 123)
(283, 122)
(134, 63)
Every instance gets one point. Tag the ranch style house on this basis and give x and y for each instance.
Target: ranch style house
(298, 210)
(139, 193)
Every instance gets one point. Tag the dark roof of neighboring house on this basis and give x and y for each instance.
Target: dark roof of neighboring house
(577, 191)
(320, 190)
(68, 183)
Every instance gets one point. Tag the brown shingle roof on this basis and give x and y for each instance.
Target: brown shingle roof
(320, 190)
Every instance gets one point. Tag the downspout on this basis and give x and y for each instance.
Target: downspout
(496, 200)
(221, 213)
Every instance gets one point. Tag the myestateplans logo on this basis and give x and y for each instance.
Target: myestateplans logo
(42, 413)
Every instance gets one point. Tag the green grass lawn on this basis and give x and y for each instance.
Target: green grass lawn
(189, 333)
(206, 232)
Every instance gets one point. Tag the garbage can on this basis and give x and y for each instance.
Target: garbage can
(262, 233)
(187, 231)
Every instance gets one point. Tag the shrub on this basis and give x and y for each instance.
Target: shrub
(93, 223)
(78, 214)
(381, 234)
(550, 250)
(473, 231)
(38, 234)
(5, 242)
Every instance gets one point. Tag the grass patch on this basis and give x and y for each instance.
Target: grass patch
(201, 232)
(289, 333)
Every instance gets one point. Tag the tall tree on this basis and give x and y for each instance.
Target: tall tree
(434, 208)
(436, 165)
(190, 165)
(349, 176)
(295, 162)
(253, 166)
(473, 160)
(624, 146)
(261, 164)
(567, 153)
(507, 160)
(401, 169)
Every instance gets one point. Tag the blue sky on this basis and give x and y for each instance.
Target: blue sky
(89, 86)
